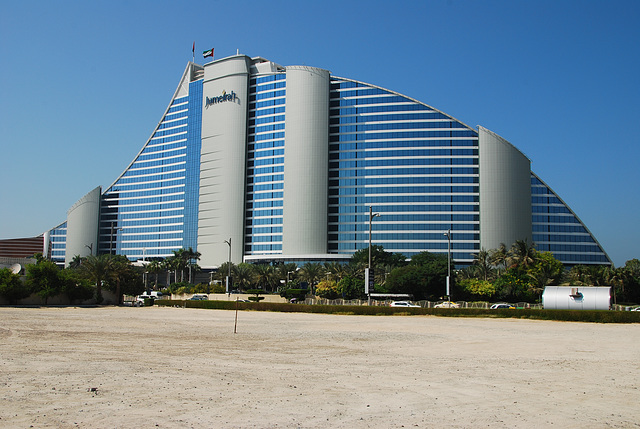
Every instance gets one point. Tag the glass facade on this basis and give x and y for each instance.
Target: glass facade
(58, 243)
(265, 165)
(415, 166)
(558, 230)
(152, 208)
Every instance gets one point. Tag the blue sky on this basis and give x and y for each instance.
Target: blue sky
(84, 84)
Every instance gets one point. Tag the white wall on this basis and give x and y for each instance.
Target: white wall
(223, 161)
(306, 168)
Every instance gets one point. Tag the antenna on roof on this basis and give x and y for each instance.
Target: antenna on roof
(237, 51)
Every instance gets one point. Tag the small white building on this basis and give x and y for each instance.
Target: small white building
(577, 298)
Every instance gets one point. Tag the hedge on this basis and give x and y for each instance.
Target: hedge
(593, 316)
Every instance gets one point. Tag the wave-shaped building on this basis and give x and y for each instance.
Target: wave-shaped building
(254, 161)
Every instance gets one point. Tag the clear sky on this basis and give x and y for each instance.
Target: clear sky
(85, 82)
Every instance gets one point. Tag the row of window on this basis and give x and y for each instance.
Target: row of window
(396, 153)
(333, 173)
(265, 120)
(563, 238)
(393, 135)
(405, 237)
(414, 181)
(385, 199)
(445, 219)
(415, 116)
(267, 94)
(250, 205)
(427, 208)
(386, 162)
(348, 128)
(405, 226)
(269, 78)
(410, 144)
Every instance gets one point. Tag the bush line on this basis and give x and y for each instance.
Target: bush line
(591, 316)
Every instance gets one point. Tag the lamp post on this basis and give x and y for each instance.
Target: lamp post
(368, 281)
(90, 247)
(448, 234)
(229, 272)
(111, 237)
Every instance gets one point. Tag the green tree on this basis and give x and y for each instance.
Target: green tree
(311, 273)
(424, 277)
(545, 271)
(43, 278)
(328, 289)
(11, 287)
(265, 276)
(477, 288)
(482, 264)
(75, 287)
(351, 287)
(155, 267)
(244, 275)
(522, 254)
(98, 269)
(514, 285)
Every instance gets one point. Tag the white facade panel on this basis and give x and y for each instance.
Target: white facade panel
(306, 161)
(222, 167)
(505, 192)
(82, 226)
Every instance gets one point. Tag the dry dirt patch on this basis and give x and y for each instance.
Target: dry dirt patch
(173, 368)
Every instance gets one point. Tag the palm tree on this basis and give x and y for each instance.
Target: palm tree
(264, 275)
(155, 267)
(244, 275)
(482, 262)
(181, 261)
(499, 257)
(76, 262)
(191, 256)
(521, 254)
(120, 268)
(98, 269)
(311, 272)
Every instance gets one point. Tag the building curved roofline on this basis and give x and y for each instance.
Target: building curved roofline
(185, 76)
(576, 216)
(407, 97)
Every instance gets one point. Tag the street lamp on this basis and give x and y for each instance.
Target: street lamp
(368, 281)
(229, 273)
(448, 235)
(111, 237)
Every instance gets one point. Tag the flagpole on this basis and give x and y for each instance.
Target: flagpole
(193, 52)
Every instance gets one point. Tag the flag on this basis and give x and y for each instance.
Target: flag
(208, 53)
(193, 49)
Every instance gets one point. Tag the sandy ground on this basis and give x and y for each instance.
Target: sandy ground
(185, 368)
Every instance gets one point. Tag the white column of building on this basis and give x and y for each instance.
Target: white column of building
(306, 158)
(83, 220)
(223, 160)
(505, 192)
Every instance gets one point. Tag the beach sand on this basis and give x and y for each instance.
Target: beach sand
(169, 367)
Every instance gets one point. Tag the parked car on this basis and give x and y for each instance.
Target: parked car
(403, 304)
(499, 306)
(199, 297)
(139, 302)
(635, 309)
(447, 304)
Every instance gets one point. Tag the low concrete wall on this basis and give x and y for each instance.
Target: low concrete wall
(231, 297)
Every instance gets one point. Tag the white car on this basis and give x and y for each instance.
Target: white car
(447, 304)
(403, 304)
(635, 309)
(499, 306)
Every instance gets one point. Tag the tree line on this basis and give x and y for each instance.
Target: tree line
(517, 273)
